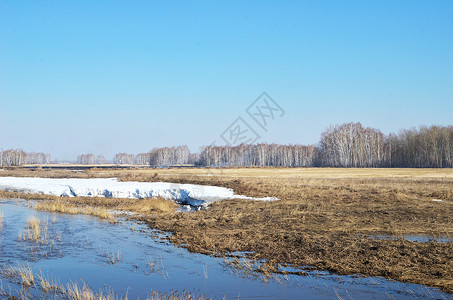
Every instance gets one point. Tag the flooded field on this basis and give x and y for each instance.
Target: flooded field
(129, 259)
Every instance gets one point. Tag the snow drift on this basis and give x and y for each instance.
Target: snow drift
(192, 194)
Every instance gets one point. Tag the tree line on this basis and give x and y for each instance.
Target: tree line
(263, 155)
(90, 159)
(159, 157)
(345, 145)
(352, 145)
(18, 157)
(428, 147)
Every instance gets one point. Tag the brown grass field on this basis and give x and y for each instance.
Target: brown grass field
(324, 219)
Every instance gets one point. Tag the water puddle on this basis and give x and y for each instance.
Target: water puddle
(414, 238)
(132, 260)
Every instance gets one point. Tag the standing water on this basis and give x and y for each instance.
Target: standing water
(132, 260)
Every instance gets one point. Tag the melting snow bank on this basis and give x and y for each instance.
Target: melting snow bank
(191, 194)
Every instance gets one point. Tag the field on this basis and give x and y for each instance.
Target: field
(346, 221)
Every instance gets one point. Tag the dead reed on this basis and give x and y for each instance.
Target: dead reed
(23, 275)
(63, 207)
(1, 221)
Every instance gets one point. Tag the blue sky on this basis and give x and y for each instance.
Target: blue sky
(122, 76)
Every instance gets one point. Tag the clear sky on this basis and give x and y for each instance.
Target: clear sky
(126, 76)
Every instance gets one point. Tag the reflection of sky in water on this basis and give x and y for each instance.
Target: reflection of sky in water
(414, 238)
(85, 242)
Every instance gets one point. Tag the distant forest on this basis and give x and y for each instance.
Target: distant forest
(346, 145)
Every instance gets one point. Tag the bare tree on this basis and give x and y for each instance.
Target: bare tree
(100, 159)
(143, 158)
(86, 159)
(344, 145)
(258, 155)
(169, 156)
(123, 159)
(18, 157)
(352, 145)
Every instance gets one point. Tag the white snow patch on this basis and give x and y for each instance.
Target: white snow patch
(192, 194)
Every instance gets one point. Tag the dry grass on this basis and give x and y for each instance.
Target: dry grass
(84, 292)
(63, 207)
(111, 257)
(1, 221)
(323, 218)
(33, 231)
(46, 285)
(321, 221)
(39, 172)
(252, 172)
(23, 275)
(96, 206)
